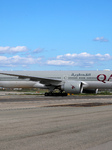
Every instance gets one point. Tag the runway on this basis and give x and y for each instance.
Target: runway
(55, 123)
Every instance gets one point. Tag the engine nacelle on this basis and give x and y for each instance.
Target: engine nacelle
(90, 91)
(72, 87)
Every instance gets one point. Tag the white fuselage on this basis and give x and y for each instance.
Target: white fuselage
(90, 79)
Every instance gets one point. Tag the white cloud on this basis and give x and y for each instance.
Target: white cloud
(38, 50)
(9, 49)
(18, 61)
(15, 57)
(101, 39)
(79, 60)
(83, 59)
(59, 62)
(83, 55)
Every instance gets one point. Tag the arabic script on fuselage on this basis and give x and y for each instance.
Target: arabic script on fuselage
(80, 74)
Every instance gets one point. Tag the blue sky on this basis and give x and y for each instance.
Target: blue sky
(55, 34)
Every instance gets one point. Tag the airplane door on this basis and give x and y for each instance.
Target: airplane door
(65, 77)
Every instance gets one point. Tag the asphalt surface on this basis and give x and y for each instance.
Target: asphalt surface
(55, 123)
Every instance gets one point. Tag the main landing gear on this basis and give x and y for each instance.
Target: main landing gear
(55, 94)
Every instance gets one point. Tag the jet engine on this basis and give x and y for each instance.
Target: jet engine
(90, 91)
(72, 87)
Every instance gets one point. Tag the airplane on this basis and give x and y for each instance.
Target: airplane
(72, 82)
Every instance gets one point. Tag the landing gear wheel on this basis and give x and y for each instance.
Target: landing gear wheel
(55, 94)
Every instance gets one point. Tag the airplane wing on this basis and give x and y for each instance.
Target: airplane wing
(46, 81)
